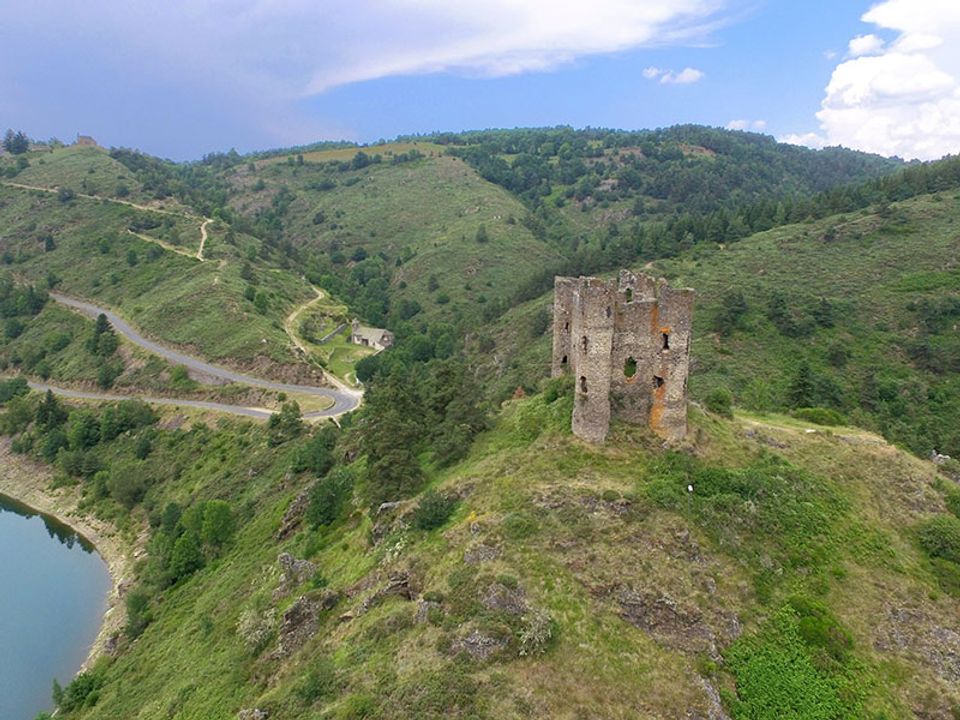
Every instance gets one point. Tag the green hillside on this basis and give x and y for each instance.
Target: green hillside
(793, 581)
(427, 231)
(143, 263)
(450, 549)
(867, 302)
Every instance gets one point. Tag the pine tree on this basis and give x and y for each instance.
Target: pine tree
(801, 393)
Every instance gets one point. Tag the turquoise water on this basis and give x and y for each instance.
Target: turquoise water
(53, 593)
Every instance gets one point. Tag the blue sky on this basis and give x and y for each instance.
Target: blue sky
(190, 76)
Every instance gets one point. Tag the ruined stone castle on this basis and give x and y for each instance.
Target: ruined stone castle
(627, 344)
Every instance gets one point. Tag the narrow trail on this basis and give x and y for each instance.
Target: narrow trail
(203, 238)
(344, 399)
(165, 245)
(290, 326)
(136, 206)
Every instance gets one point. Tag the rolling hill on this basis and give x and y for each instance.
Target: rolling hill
(866, 301)
(450, 549)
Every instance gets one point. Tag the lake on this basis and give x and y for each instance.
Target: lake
(53, 593)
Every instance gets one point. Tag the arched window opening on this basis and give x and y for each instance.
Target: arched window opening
(666, 341)
(657, 382)
(609, 311)
(566, 325)
(563, 360)
(630, 368)
(583, 384)
(583, 343)
(629, 294)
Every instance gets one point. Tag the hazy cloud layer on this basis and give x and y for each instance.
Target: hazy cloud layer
(260, 57)
(902, 96)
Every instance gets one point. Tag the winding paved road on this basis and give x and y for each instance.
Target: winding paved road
(344, 400)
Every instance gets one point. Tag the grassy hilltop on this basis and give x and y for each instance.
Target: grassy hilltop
(865, 301)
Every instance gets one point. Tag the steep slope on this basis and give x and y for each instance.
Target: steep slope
(570, 581)
(866, 302)
(120, 256)
(427, 231)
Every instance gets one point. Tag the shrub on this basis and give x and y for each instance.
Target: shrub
(285, 425)
(327, 497)
(15, 387)
(218, 523)
(187, 556)
(256, 628)
(536, 633)
(316, 455)
(433, 511)
(127, 484)
(777, 677)
(138, 612)
(83, 691)
(319, 683)
(940, 537)
(820, 416)
(952, 499)
(720, 401)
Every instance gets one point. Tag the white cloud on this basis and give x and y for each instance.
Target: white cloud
(265, 61)
(810, 140)
(864, 45)
(755, 125)
(669, 77)
(506, 37)
(902, 97)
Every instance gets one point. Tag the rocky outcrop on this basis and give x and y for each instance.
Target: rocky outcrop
(479, 646)
(252, 714)
(480, 554)
(293, 572)
(293, 516)
(297, 625)
(676, 624)
(510, 600)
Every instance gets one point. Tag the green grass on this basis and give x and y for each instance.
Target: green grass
(427, 213)
(765, 538)
(197, 306)
(82, 169)
(876, 274)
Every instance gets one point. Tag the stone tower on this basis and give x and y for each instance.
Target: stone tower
(627, 344)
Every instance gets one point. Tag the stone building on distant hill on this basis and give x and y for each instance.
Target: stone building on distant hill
(85, 141)
(627, 344)
(375, 338)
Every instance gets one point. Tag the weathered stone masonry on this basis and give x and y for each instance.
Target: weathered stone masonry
(627, 344)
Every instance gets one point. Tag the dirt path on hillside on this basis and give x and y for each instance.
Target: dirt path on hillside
(136, 206)
(290, 326)
(203, 238)
(162, 243)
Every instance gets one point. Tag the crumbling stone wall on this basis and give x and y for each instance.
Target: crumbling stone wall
(627, 344)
